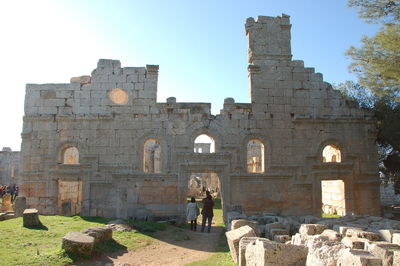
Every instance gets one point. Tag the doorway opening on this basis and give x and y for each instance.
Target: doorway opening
(69, 200)
(333, 198)
(198, 184)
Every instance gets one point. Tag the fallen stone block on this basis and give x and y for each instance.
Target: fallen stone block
(233, 237)
(271, 226)
(234, 216)
(396, 257)
(362, 234)
(282, 238)
(332, 235)
(79, 243)
(358, 258)
(235, 224)
(387, 234)
(31, 218)
(9, 216)
(383, 250)
(395, 238)
(276, 232)
(266, 252)
(2, 216)
(311, 229)
(343, 229)
(98, 233)
(322, 251)
(354, 242)
(243, 243)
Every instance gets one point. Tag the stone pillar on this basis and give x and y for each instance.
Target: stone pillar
(31, 218)
(19, 206)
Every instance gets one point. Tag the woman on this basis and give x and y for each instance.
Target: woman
(192, 211)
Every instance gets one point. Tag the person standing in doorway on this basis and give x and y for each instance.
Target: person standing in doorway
(192, 211)
(207, 212)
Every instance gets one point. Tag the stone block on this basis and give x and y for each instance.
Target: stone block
(396, 238)
(387, 234)
(322, 251)
(311, 229)
(277, 232)
(332, 235)
(362, 234)
(235, 224)
(383, 250)
(31, 218)
(243, 243)
(358, 258)
(234, 216)
(282, 238)
(99, 233)
(342, 229)
(233, 237)
(79, 243)
(354, 243)
(266, 252)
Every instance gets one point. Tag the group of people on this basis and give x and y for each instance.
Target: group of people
(9, 189)
(193, 211)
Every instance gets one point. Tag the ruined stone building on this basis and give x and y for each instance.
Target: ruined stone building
(102, 145)
(9, 166)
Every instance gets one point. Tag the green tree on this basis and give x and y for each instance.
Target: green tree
(376, 11)
(377, 61)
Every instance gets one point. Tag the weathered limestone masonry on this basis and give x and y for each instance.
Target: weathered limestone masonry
(91, 140)
(9, 166)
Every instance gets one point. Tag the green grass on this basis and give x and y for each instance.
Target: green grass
(326, 215)
(42, 246)
(221, 258)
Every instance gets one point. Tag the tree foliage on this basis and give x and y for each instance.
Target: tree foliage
(376, 11)
(377, 61)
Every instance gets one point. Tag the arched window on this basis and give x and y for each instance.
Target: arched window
(152, 156)
(204, 144)
(70, 155)
(331, 154)
(255, 156)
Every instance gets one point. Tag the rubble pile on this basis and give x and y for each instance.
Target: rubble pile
(309, 240)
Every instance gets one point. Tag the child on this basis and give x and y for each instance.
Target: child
(192, 212)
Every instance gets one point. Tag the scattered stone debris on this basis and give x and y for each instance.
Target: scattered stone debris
(309, 240)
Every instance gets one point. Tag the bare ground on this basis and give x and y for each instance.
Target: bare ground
(174, 246)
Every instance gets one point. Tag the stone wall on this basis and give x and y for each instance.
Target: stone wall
(109, 115)
(9, 166)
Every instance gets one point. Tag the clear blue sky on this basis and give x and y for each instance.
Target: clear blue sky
(200, 46)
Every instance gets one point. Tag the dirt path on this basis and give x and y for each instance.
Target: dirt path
(174, 246)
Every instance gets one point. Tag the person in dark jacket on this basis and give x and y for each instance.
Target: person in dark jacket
(207, 212)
